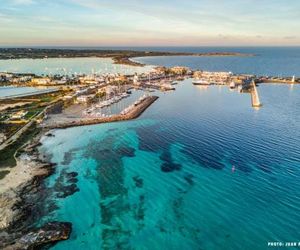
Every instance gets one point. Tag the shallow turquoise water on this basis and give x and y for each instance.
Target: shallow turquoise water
(164, 181)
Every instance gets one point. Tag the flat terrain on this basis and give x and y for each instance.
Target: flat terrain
(119, 56)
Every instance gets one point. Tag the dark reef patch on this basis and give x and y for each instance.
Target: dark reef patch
(139, 182)
(189, 179)
(65, 184)
(114, 200)
(67, 191)
(68, 156)
(170, 167)
(71, 175)
(126, 151)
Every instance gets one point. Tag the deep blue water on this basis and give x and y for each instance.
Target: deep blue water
(268, 61)
(165, 180)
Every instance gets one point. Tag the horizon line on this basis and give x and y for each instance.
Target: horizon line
(145, 46)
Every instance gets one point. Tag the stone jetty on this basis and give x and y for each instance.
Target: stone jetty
(132, 114)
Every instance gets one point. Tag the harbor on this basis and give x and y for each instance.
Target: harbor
(131, 112)
(90, 99)
(108, 101)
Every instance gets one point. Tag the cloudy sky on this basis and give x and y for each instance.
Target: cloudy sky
(149, 22)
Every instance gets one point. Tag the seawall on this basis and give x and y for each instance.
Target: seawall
(136, 112)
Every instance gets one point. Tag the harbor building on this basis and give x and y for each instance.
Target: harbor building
(18, 115)
(41, 81)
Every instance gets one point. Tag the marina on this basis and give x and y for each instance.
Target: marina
(129, 113)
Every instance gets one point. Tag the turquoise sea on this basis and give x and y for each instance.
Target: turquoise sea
(165, 180)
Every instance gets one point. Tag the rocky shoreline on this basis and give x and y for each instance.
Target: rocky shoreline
(20, 196)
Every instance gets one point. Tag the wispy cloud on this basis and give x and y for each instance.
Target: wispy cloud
(22, 2)
(155, 22)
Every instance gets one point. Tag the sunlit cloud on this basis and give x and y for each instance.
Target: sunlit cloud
(137, 22)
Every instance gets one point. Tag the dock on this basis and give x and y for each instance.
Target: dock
(255, 97)
(136, 112)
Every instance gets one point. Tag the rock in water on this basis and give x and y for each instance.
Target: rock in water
(49, 233)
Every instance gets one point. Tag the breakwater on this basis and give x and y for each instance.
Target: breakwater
(132, 114)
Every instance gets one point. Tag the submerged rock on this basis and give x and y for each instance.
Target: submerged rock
(35, 238)
(126, 151)
(139, 182)
(170, 167)
(67, 191)
(50, 135)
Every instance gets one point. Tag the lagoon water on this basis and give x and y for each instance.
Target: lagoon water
(68, 66)
(7, 91)
(272, 61)
(165, 180)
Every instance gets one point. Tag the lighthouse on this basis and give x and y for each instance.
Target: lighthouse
(293, 79)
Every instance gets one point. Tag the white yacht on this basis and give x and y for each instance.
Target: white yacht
(232, 85)
(201, 82)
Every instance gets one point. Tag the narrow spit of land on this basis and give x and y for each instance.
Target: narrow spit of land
(118, 56)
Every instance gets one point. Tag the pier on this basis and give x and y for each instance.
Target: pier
(134, 113)
(254, 96)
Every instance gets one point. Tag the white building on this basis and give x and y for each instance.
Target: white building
(136, 80)
(41, 81)
(18, 115)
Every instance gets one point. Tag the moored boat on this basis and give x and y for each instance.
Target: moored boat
(232, 85)
(201, 82)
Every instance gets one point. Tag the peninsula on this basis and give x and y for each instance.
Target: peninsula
(118, 56)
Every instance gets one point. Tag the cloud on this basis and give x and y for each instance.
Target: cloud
(290, 37)
(22, 2)
(154, 22)
(4, 18)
